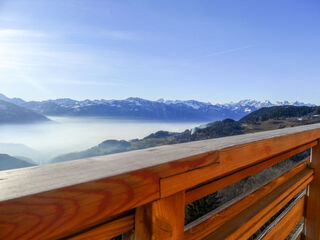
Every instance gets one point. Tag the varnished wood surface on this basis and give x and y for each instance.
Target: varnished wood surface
(211, 187)
(59, 213)
(312, 220)
(234, 159)
(162, 219)
(207, 224)
(108, 230)
(54, 201)
(285, 226)
(248, 222)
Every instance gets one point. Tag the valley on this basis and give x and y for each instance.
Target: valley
(69, 137)
(261, 120)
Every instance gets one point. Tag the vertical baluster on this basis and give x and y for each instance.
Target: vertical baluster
(162, 219)
(312, 220)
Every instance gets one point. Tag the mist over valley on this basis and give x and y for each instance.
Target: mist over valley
(43, 141)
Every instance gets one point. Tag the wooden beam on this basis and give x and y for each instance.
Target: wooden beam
(162, 219)
(211, 187)
(312, 219)
(233, 159)
(251, 220)
(107, 230)
(285, 226)
(212, 222)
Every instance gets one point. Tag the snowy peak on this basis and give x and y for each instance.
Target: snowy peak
(249, 105)
(134, 107)
(189, 103)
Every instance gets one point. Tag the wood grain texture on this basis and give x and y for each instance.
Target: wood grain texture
(162, 219)
(211, 187)
(248, 222)
(312, 220)
(234, 159)
(210, 223)
(59, 213)
(107, 230)
(54, 201)
(285, 226)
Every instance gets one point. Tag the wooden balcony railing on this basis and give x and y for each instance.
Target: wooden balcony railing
(142, 194)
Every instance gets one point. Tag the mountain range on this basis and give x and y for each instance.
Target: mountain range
(138, 108)
(12, 113)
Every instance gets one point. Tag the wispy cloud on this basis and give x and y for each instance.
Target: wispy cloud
(187, 61)
(118, 35)
(230, 50)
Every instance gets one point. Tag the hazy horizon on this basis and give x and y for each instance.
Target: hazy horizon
(72, 134)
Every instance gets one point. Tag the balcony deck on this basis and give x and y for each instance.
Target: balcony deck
(142, 194)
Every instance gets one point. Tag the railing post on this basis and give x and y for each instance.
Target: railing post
(162, 219)
(312, 219)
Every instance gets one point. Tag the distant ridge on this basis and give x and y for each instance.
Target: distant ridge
(138, 108)
(12, 113)
(8, 162)
(281, 112)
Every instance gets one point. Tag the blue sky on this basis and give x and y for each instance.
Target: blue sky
(217, 51)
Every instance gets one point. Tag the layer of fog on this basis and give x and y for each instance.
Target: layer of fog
(43, 141)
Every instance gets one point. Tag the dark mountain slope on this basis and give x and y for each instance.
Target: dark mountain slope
(11, 113)
(7, 162)
(280, 112)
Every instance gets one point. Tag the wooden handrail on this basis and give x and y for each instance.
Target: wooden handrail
(91, 196)
(207, 188)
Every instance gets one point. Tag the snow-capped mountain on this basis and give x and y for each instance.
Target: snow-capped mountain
(249, 105)
(175, 110)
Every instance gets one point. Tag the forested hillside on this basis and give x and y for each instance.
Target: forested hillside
(260, 120)
(280, 113)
